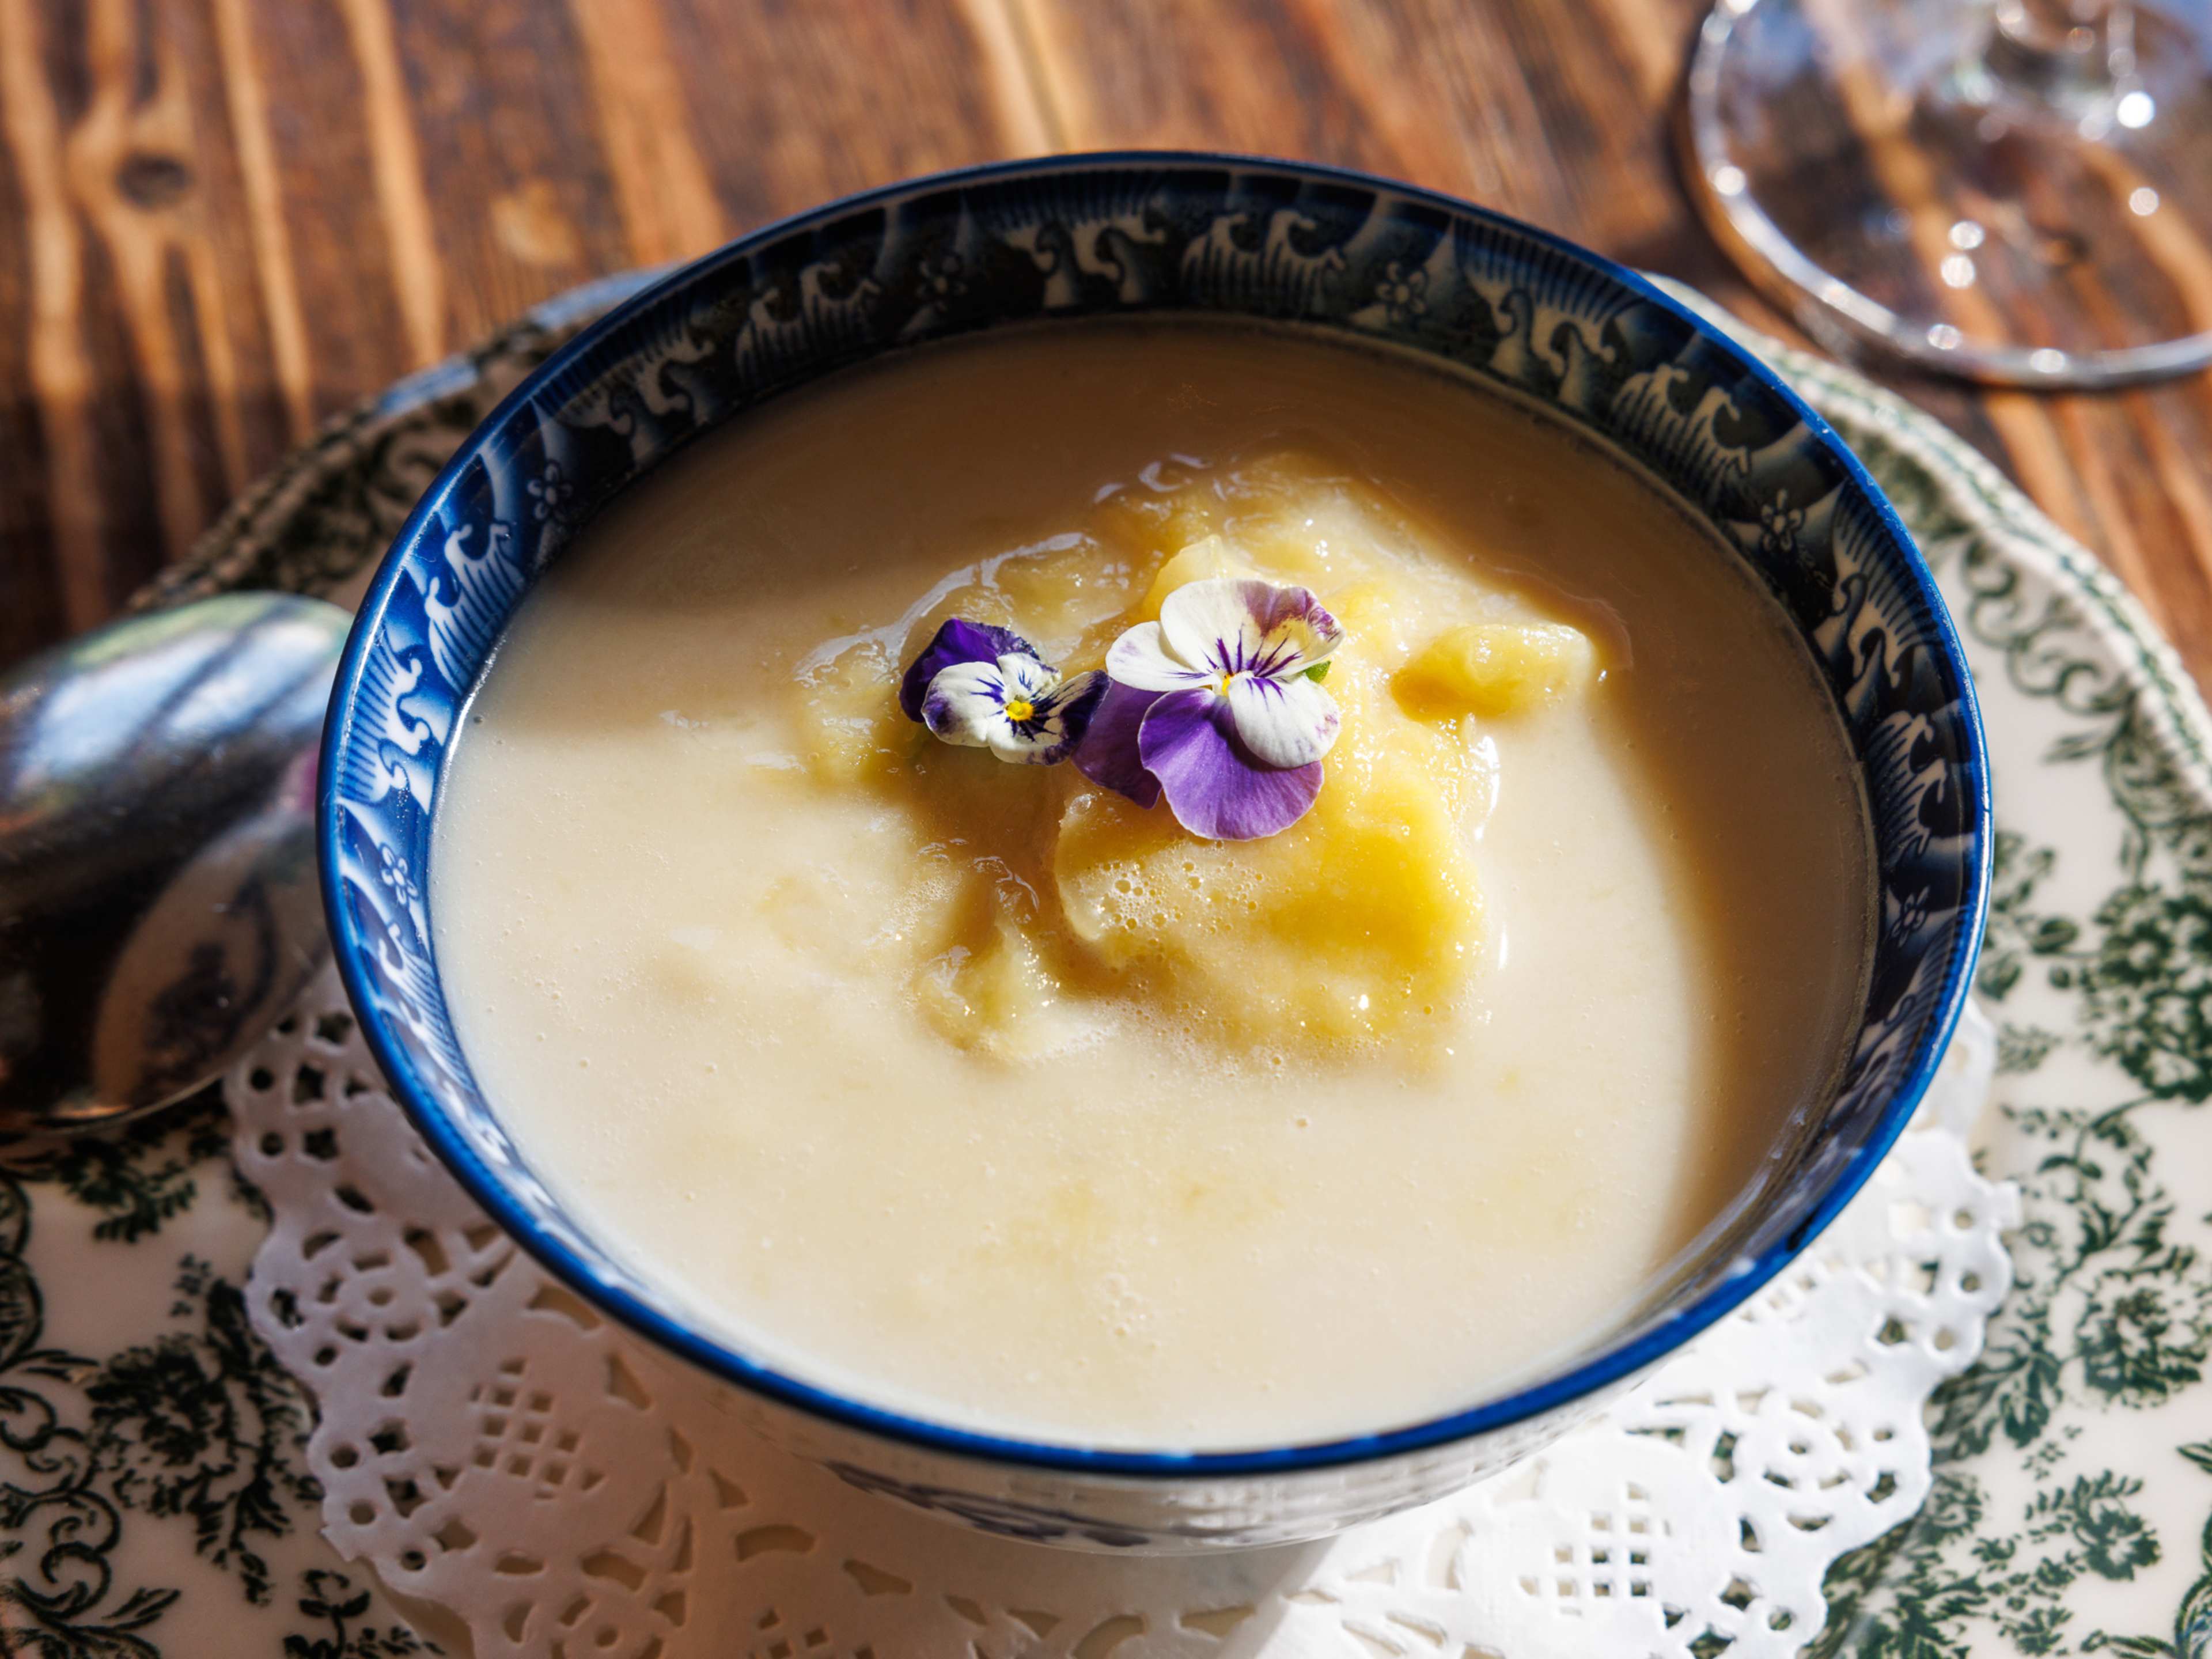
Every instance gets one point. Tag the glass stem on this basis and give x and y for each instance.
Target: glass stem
(2069, 53)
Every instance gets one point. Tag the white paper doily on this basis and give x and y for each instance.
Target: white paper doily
(496, 1449)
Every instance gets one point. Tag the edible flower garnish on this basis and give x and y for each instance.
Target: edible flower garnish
(983, 687)
(1218, 706)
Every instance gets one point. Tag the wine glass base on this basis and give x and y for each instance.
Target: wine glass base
(1919, 175)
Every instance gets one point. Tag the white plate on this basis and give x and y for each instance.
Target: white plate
(154, 1497)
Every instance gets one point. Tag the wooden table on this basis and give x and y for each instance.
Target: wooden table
(223, 221)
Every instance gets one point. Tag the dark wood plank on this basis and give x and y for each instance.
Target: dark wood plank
(1563, 114)
(32, 606)
(223, 220)
(499, 185)
(795, 104)
(48, 350)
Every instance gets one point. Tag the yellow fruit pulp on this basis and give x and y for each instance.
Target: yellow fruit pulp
(1044, 907)
(1496, 669)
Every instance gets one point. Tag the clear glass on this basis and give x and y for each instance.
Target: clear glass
(2016, 191)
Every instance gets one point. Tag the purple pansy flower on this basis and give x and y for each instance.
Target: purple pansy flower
(982, 687)
(1215, 707)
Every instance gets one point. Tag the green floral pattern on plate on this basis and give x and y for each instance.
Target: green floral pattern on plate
(153, 1496)
(153, 1490)
(2072, 1506)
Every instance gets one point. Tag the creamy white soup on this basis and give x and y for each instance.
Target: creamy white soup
(981, 1092)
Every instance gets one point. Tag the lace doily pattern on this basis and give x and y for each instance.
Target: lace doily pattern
(496, 1448)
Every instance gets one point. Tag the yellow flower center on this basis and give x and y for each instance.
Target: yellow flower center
(1019, 709)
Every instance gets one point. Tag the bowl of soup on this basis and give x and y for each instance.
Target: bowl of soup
(1055, 1147)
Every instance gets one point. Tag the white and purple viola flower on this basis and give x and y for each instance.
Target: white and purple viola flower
(983, 687)
(1217, 707)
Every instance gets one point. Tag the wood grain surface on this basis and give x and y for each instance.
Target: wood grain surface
(222, 221)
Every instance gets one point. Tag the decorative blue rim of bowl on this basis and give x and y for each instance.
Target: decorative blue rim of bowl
(1125, 233)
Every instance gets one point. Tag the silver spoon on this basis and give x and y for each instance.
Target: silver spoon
(159, 909)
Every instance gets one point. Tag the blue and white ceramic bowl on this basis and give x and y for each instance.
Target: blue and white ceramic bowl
(1330, 251)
